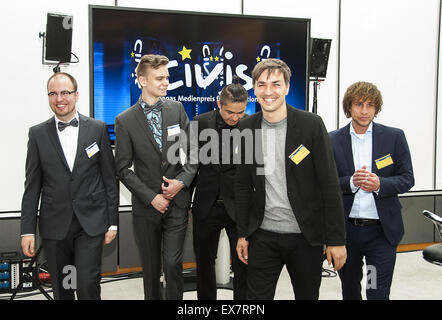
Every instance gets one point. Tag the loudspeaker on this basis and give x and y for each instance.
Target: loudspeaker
(319, 52)
(58, 37)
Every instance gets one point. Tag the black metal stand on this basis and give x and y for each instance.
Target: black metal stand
(33, 277)
(316, 82)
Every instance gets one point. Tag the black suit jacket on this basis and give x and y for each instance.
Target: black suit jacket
(212, 179)
(135, 145)
(90, 190)
(395, 179)
(312, 185)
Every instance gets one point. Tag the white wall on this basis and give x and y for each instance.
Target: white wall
(391, 43)
(394, 45)
(23, 81)
(438, 182)
(324, 24)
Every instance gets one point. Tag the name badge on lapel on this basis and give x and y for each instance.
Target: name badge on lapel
(173, 130)
(92, 149)
(384, 161)
(299, 154)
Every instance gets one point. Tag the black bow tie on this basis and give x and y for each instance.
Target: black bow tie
(64, 125)
(148, 108)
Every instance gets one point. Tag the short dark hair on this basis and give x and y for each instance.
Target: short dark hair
(69, 76)
(362, 91)
(150, 60)
(271, 65)
(233, 92)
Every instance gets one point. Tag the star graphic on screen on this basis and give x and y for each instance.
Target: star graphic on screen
(185, 53)
(132, 54)
(216, 58)
(211, 58)
(258, 59)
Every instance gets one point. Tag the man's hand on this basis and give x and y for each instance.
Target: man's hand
(174, 186)
(160, 203)
(337, 255)
(109, 236)
(28, 245)
(371, 184)
(242, 249)
(366, 180)
(360, 176)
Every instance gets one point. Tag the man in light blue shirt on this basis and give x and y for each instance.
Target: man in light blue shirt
(374, 166)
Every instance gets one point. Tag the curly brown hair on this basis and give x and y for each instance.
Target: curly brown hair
(362, 91)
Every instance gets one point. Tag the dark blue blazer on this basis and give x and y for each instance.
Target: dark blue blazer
(394, 179)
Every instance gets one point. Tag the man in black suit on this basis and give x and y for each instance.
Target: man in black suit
(151, 135)
(213, 203)
(287, 197)
(374, 166)
(70, 165)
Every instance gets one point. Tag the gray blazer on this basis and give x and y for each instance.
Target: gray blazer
(135, 145)
(90, 190)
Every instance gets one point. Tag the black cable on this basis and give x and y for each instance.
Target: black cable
(78, 60)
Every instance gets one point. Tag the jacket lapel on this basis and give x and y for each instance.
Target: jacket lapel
(377, 141)
(258, 155)
(53, 137)
(211, 123)
(347, 151)
(83, 132)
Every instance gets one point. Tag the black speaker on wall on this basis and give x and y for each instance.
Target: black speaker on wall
(58, 37)
(319, 52)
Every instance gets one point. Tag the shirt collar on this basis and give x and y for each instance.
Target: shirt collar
(144, 104)
(74, 117)
(369, 129)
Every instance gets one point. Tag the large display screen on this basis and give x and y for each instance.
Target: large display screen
(205, 51)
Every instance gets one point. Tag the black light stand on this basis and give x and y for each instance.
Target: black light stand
(316, 85)
(33, 277)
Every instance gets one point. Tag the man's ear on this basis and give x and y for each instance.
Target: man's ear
(142, 81)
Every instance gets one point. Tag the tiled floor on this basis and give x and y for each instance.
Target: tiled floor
(414, 279)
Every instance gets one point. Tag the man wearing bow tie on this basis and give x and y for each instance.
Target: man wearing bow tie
(70, 166)
(158, 181)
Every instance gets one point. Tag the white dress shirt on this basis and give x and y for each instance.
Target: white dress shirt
(69, 140)
(364, 206)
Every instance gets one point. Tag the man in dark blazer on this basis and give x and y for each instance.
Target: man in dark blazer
(70, 166)
(213, 203)
(374, 166)
(288, 204)
(149, 136)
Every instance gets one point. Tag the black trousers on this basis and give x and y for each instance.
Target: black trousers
(205, 243)
(380, 256)
(74, 264)
(269, 252)
(162, 234)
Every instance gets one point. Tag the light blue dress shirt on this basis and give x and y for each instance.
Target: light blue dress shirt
(364, 206)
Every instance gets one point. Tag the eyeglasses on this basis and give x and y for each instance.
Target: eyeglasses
(63, 94)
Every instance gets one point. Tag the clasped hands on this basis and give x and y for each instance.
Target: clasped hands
(366, 180)
(162, 200)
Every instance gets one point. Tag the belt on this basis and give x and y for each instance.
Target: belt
(364, 222)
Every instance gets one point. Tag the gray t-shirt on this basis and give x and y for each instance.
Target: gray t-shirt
(278, 213)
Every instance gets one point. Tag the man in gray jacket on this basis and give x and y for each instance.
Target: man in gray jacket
(145, 135)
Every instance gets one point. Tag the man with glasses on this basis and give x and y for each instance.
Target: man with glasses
(70, 166)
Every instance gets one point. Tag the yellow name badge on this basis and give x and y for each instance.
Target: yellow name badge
(299, 154)
(383, 162)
